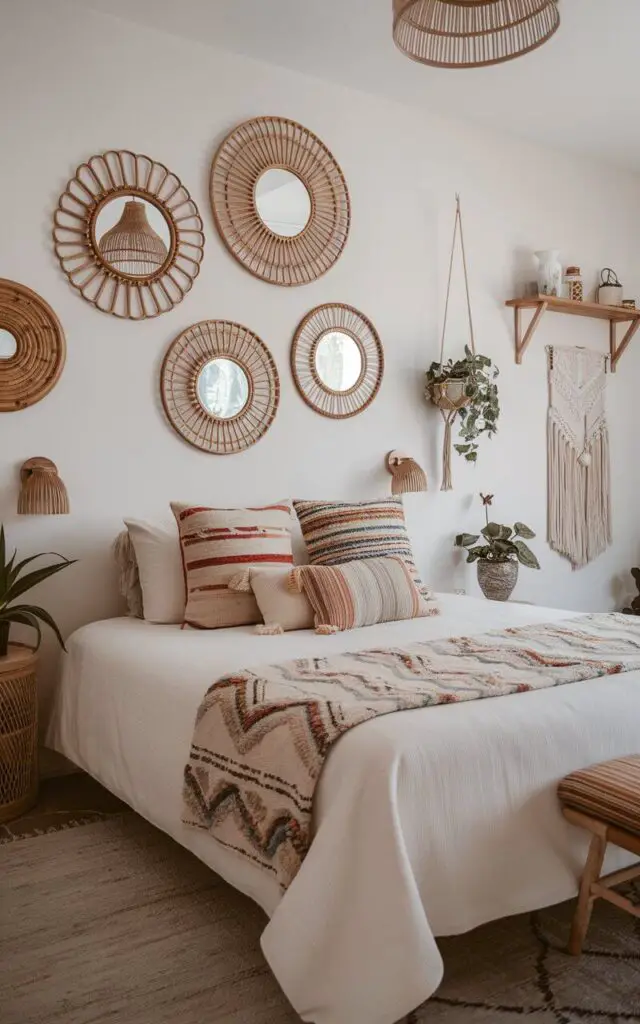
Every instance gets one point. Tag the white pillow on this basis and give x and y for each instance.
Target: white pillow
(281, 608)
(157, 549)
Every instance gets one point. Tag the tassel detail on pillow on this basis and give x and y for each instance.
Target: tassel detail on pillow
(327, 630)
(294, 581)
(241, 582)
(273, 630)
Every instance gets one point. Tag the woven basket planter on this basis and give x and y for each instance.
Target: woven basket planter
(497, 579)
(449, 395)
(18, 732)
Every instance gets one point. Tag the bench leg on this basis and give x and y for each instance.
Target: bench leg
(592, 872)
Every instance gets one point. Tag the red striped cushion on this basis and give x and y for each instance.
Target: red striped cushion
(215, 544)
(609, 792)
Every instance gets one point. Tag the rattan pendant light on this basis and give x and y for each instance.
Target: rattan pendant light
(472, 33)
(132, 246)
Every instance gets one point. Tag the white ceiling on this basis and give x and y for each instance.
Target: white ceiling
(580, 91)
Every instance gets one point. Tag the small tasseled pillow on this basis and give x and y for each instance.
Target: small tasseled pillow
(361, 593)
(609, 792)
(281, 608)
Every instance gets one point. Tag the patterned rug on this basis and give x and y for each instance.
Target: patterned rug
(114, 921)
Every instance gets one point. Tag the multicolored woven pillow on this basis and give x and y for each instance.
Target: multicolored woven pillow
(217, 543)
(360, 593)
(342, 531)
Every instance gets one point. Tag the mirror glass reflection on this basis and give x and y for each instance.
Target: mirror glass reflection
(8, 344)
(283, 203)
(223, 388)
(133, 236)
(338, 361)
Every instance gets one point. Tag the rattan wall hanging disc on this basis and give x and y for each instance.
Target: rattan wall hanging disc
(32, 364)
(337, 360)
(220, 387)
(143, 264)
(275, 246)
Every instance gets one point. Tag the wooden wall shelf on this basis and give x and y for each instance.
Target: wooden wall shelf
(541, 304)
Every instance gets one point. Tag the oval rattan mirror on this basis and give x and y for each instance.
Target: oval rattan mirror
(128, 235)
(220, 387)
(280, 201)
(337, 360)
(32, 347)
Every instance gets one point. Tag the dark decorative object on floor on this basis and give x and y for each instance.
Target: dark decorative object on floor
(500, 557)
(635, 604)
(13, 584)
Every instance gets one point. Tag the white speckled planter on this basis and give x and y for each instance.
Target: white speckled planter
(497, 579)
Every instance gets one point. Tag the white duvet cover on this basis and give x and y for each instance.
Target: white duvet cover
(428, 822)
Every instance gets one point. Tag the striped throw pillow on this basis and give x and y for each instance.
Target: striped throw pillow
(360, 593)
(341, 531)
(216, 543)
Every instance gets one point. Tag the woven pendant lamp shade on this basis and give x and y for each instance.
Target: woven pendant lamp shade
(472, 33)
(132, 246)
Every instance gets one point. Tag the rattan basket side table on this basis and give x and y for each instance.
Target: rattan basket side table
(18, 731)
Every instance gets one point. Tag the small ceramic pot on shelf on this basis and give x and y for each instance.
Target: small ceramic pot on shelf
(549, 272)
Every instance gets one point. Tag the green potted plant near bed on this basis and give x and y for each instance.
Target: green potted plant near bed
(18, 664)
(500, 556)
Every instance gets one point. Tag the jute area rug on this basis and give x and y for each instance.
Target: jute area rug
(113, 922)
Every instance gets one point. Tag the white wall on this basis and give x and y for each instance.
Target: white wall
(75, 83)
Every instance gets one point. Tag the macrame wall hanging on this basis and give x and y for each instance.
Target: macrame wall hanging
(450, 396)
(579, 492)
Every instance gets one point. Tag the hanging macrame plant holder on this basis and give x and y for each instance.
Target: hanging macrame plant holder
(450, 396)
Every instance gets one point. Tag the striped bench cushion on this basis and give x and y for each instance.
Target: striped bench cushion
(216, 543)
(609, 792)
(339, 531)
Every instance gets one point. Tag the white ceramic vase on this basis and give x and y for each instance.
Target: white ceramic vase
(549, 272)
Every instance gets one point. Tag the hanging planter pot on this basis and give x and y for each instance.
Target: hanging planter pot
(466, 388)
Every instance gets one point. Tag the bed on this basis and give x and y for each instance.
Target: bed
(427, 822)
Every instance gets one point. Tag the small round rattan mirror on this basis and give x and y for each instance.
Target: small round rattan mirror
(128, 235)
(337, 360)
(220, 387)
(32, 347)
(280, 201)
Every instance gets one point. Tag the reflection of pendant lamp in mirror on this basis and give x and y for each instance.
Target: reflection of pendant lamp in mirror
(472, 33)
(132, 246)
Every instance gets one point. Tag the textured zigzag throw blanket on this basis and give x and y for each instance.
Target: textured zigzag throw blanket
(578, 441)
(261, 737)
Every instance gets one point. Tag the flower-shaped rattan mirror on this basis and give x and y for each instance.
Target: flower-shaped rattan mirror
(32, 347)
(128, 235)
(220, 387)
(280, 201)
(337, 360)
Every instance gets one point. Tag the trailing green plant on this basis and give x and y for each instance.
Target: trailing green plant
(501, 543)
(14, 582)
(482, 413)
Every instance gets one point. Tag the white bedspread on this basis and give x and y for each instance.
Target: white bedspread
(429, 822)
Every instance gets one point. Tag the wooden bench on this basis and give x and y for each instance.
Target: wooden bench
(604, 800)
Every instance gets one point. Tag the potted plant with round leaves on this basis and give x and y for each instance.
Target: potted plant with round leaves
(500, 555)
(14, 583)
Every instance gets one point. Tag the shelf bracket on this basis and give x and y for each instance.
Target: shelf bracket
(522, 343)
(616, 349)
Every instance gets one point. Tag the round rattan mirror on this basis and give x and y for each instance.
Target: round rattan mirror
(337, 360)
(32, 347)
(128, 235)
(280, 201)
(220, 387)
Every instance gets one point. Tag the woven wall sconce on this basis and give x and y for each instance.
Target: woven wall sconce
(43, 492)
(131, 245)
(472, 33)
(408, 476)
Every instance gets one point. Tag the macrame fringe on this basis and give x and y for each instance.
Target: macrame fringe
(447, 480)
(579, 497)
(273, 630)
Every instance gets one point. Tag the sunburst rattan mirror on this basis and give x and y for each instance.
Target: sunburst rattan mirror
(32, 347)
(337, 360)
(220, 387)
(280, 201)
(128, 235)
